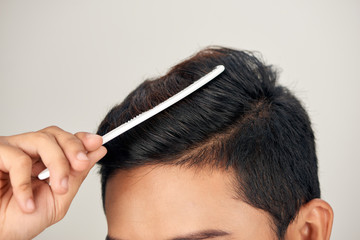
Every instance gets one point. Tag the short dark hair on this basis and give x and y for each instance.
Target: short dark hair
(243, 121)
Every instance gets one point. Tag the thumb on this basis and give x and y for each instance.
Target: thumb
(91, 141)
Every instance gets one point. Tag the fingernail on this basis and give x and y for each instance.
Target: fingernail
(82, 156)
(30, 205)
(64, 183)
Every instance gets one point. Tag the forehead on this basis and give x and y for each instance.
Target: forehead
(162, 185)
(164, 201)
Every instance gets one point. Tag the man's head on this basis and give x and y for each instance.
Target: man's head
(236, 158)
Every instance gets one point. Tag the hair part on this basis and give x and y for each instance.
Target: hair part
(242, 120)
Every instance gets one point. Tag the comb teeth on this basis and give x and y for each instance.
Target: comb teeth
(155, 110)
(163, 105)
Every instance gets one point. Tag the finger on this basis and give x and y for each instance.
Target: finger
(19, 166)
(94, 157)
(91, 141)
(72, 147)
(45, 146)
(76, 179)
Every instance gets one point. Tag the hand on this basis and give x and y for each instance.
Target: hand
(28, 205)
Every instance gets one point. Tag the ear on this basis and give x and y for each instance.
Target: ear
(313, 222)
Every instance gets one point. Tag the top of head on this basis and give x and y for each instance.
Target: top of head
(163, 105)
(244, 121)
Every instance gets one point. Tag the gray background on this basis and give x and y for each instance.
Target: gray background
(67, 63)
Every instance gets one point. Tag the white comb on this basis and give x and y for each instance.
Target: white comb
(155, 110)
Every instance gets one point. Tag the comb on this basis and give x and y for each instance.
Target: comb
(155, 110)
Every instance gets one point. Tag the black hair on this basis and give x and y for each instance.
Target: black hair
(243, 120)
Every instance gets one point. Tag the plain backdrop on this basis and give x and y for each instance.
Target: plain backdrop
(67, 63)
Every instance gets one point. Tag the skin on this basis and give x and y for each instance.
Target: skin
(150, 202)
(172, 202)
(28, 205)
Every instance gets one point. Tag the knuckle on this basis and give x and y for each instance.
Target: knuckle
(73, 141)
(52, 128)
(23, 162)
(43, 137)
(61, 165)
(60, 211)
(22, 187)
(80, 135)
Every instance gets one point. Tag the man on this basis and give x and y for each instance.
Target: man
(234, 160)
